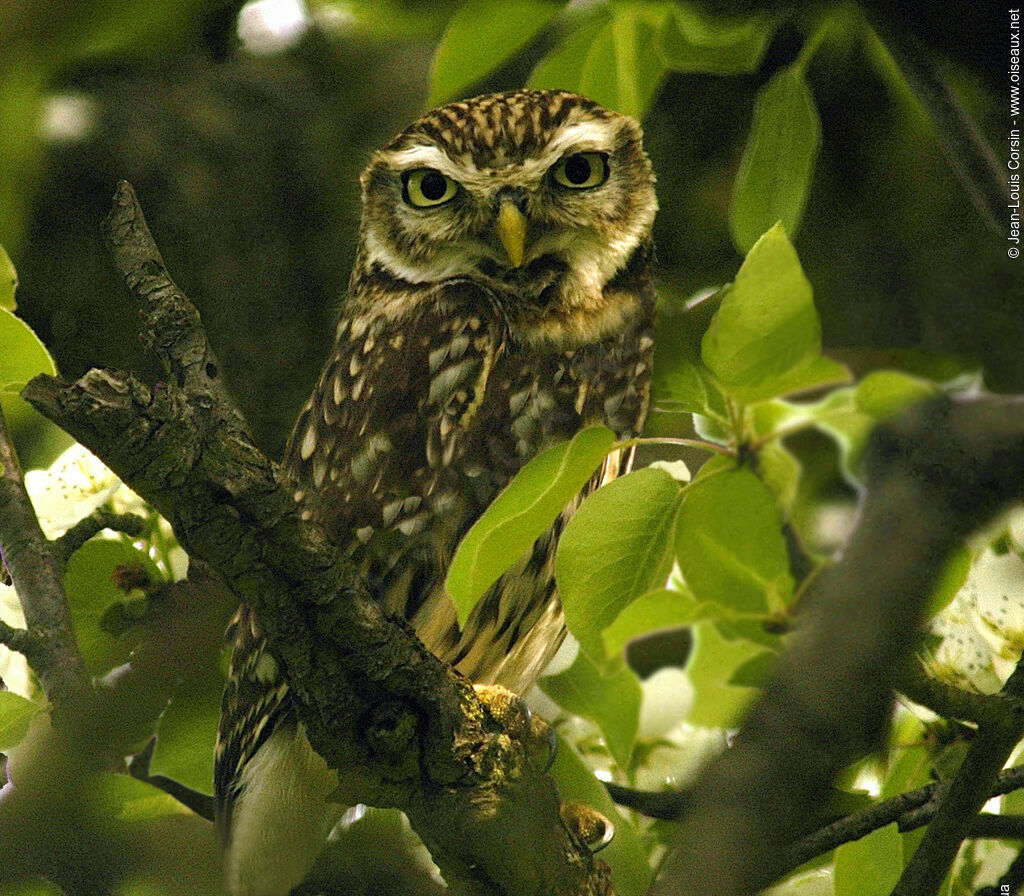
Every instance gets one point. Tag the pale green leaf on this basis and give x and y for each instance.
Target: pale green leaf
(617, 547)
(665, 608)
(780, 470)
(778, 163)
(729, 544)
(16, 713)
(610, 698)
(521, 514)
(884, 393)
(691, 41)
(625, 855)
(767, 326)
(717, 703)
(869, 866)
(8, 281)
(188, 731)
(131, 800)
(481, 36)
(22, 357)
(754, 672)
(99, 606)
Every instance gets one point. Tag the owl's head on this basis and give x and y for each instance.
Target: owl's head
(545, 192)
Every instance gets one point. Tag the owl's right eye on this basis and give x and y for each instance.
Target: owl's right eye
(424, 187)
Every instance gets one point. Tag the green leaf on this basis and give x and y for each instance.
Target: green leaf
(780, 470)
(617, 547)
(664, 608)
(521, 514)
(718, 703)
(8, 281)
(884, 393)
(754, 672)
(480, 36)
(16, 714)
(869, 866)
(188, 731)
(610, 698)
(729, 544)
(131, 800)
(778, 163)
(766, 326)
(815, 374)
(23, 357)
(562, 68)
(92, 591)
(625, 855)
(620, 72)
(691, 41)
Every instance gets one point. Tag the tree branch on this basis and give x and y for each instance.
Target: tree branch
(934, 475)
(465, 782)
(48, 641)
(967, 793)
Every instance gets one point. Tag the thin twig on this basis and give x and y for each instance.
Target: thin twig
(127, 523)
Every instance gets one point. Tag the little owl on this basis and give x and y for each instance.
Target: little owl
(501, 300)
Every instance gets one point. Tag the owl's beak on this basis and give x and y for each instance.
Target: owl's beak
(511, 227)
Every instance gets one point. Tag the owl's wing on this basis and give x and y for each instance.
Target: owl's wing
(254, 701)
(378, 447)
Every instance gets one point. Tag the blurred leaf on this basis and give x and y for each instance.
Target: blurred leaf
(521, 514)
(849, 415)
(89, 580)
(691, 41)
(780, 470)
(869, 866)
(8, 281)
(562, 67)
(952, 578)
(767, 326)
(729, 544)
(187, 731)
(610, 698)
(480, 36)
(754, 672)
(778, 162)
(665, 608)
(16, 713)
(128, 799)
(617, 546)
(23, 357)
(620, 71)
(885, 393)
(625, 855)
(718, 703)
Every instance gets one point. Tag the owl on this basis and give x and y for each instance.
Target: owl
(501, 300)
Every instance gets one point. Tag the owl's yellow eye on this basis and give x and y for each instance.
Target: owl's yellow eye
(581, 170)
(424, 187)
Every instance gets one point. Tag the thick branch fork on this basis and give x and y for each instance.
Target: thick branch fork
(183, 447)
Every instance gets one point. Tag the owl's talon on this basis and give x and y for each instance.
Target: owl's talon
(589, 825)
(515, 716)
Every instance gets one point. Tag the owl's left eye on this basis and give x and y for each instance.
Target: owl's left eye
(424, 187)
(581, 170)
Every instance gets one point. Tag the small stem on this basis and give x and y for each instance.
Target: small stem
(699, 444)
(128, 523)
